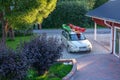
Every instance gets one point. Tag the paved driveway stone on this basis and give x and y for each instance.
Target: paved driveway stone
(97, 67)
(99, 64)
(100, 46)
(103, 37)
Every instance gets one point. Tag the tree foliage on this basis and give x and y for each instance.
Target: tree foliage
(99, 3)
(67, 12)
(86, 3)
(17, 14)
(26, 12)
(72, 11)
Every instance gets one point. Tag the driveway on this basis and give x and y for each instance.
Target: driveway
(101, 46)
(97, 67)
(99, 64)
(103, 37)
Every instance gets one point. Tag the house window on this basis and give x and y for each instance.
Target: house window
(117, 46)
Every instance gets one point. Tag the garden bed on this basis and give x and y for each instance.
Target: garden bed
(36, 65)
(73, 70)
(56, 72)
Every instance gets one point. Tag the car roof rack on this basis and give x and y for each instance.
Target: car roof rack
(73, 28)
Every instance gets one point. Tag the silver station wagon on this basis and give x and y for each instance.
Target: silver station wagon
(75, 42)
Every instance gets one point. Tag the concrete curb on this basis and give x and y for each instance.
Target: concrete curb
(74, 69)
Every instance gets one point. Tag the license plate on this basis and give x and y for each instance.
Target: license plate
(83, 49)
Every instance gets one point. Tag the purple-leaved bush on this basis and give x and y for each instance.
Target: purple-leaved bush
(13, 66)
(39, 53)
(42, 52)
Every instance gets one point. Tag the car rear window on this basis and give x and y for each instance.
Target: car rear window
(76, 37)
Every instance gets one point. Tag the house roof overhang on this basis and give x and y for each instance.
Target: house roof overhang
(109, 11)
(102, 22)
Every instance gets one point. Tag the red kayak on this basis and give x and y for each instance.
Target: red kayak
(77, 28)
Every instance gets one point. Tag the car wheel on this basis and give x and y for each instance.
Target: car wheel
(62, 42)
(68, 49)
(89, 50)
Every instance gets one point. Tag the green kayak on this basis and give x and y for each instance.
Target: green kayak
(66, 27)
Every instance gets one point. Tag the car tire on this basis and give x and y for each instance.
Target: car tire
(68, 49)
(89, 51)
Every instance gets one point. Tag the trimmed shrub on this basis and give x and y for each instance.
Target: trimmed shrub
(24, 32)
(13, 65)
(42, 52)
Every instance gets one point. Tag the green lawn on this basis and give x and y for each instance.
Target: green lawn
(13, 44)
(56, 72)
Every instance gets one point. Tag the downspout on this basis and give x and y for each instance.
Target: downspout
(95, 30)
(112, 34)
(107, 24)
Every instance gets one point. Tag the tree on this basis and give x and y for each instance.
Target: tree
(86, 3)
(20, 13)
(69, 12)
(99, 2)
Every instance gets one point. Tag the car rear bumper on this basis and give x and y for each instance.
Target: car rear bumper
(79, 49)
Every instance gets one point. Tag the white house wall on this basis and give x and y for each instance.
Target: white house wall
(111, 39)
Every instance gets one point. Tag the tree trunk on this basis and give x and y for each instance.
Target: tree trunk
(4, 29)
(39, 26)
(11, 34)
(3, 33)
